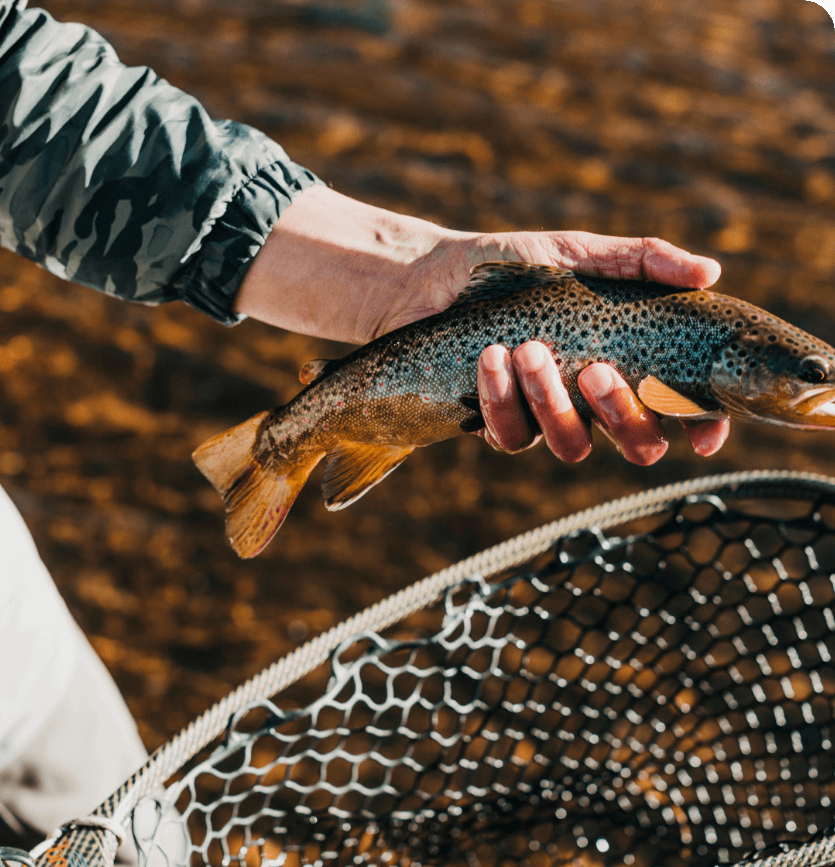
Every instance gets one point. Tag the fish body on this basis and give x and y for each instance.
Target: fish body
(688, 353)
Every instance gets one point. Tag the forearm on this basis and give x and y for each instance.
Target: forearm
(342, 269)
(113, 178)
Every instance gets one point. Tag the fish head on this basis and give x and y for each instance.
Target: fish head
(775, 373)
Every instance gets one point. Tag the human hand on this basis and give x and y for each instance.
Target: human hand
(348, 271)
(528, 376)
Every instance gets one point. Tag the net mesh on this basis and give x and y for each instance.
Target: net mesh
(659, 694)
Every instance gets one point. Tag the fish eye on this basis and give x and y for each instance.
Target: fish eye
(814, 369)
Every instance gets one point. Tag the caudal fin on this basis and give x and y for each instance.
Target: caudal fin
(257, 497)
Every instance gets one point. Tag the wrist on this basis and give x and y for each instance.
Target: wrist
(342, 269)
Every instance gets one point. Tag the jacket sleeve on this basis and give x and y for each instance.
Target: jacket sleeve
(112, 178)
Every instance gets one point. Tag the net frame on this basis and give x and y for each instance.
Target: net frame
(97, 845)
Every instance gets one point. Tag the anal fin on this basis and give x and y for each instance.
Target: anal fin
(352, 468)
(662, 399)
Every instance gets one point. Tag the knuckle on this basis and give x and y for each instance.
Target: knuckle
(652, 243)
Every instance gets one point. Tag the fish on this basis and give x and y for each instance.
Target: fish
(687, 353)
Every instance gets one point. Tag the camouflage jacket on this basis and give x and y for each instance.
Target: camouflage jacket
(112, 178)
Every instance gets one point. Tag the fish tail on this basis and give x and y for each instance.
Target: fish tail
(258, 493)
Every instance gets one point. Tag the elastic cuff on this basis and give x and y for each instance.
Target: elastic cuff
(211, 280)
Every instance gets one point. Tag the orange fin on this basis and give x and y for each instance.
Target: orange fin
(314, 370)
(667, 401)
(353, 468)
(257, 496)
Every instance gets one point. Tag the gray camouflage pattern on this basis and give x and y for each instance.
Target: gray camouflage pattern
(113, 178)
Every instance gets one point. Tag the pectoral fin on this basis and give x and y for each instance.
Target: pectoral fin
(662, 399)
(352, 468)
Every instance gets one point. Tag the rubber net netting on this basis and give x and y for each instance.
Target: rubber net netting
(657, 695)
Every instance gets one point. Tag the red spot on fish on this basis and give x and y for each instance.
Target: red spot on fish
(339, 403)
(428, 367)
(379, 385)
(458, 360)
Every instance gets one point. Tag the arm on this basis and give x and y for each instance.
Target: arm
(112, 178)
(399, 269)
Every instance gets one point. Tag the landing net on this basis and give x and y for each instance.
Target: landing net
(649, 683)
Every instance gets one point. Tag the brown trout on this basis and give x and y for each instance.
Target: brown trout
(687, 353)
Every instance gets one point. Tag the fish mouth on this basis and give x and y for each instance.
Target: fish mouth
(816, 407)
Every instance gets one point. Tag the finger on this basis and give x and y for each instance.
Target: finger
(635, 430)
(501, 403)
(663, 262)
(707, 437)
(539, 378)
(635, 258)
(485, 435)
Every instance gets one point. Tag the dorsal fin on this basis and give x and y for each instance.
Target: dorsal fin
(662, 399)
(494, 279)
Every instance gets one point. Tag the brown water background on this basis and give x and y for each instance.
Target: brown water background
(709, 123)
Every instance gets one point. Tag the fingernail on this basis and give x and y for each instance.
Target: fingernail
(537, 353)
(651, 452)
(598, 381)
(499, 383)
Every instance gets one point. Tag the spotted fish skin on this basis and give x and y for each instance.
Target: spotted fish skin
(417, 385)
